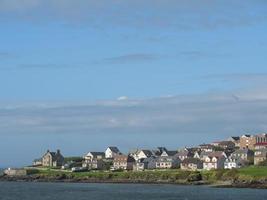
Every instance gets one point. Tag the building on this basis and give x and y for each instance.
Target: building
(168, 153)
(15, 172)
(203, 155)
(111, 152)
(94, 164)
(233, 163)
(124, 162)
(226, 145)
(206, 147)
(214, 162)
(37, 162)
(151, 162)
(243, 154)
(247, 142)
(141, 154)
(94, 155)
(260, 156)
(191, 164)
(235, 139)
(261, 141)
(52, 159)
(167, 162)
(183, 154)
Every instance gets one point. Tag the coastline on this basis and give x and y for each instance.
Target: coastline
(62, 178)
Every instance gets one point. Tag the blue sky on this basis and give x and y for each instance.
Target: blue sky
(69, 62)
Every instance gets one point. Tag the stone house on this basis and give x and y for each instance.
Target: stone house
(124, 162)
(111, 152)
(244, 154)
(191, 164)
(94, 164)
(260, 156)
(52, 159)
(214, 162)
(167, 162)
(247, 142)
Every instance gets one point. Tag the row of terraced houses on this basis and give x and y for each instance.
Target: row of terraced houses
(235, 152)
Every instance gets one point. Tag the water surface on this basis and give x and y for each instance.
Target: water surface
(76, 191)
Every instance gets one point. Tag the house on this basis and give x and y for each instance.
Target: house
(191, 164)
(260, 156)
(203, 155)
(159, 151)
(226, 145)
(94, 155)
(111, 152)
(52, 159)
(206, 147)
(214, 162)
(167, 162)
(261, 141)
(151, 162)
(247, 142)
(244, 154)
(95, 164)
(235, 139)
(183, 154)
(168, 153)
(37, 162)
(124, 162)
(232, 163)
(141, 154)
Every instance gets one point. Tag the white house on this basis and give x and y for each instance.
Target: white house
(214, 162)
(232, 163)
(111, 152)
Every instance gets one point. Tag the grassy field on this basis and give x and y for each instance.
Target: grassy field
(172, 176)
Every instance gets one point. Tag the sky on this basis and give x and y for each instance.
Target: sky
(81, 75)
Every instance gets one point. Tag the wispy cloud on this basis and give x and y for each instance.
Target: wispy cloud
(131, 58)
(218, 113)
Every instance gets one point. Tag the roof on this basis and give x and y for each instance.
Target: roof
(148, 153)
(171, 153)
(94, 153)
(242, 151)
(191, 160)
(114, 149)
(236, 138)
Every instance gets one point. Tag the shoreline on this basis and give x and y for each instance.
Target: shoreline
(218, 184)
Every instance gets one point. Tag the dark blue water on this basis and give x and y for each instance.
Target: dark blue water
(67, 191)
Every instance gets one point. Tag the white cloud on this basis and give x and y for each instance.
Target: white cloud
(122, 98)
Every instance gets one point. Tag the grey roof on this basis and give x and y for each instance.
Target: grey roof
(114, 149)
(94, 153)
(171, 153)
(148, 153)
(191, 160)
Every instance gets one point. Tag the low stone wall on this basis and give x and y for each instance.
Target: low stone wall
(15, 172)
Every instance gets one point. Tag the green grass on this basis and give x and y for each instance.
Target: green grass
(253, 171)
(172, 176)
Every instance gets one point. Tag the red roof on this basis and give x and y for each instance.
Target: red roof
(261, 144)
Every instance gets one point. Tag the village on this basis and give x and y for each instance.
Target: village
(235, 152)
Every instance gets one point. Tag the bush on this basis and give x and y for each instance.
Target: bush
(195, 176)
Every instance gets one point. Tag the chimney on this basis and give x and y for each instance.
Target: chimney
(47, 151)
(58, 151)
